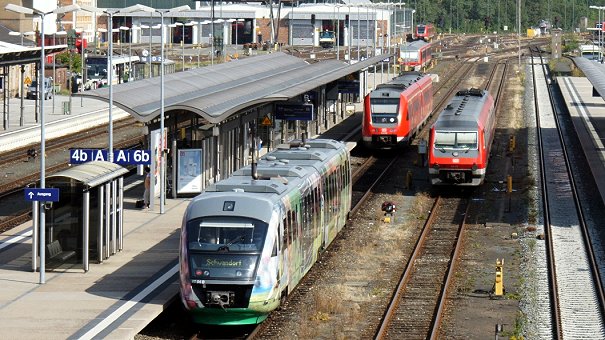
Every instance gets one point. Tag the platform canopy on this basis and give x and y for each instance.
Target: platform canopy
(90, 174)
(594, 71)
(216, 92)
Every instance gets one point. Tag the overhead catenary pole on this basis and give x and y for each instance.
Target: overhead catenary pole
(41, 204)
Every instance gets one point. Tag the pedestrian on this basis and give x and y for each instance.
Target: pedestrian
(146, 195)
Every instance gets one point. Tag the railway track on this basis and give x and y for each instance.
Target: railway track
(576, 297)
(417, 304)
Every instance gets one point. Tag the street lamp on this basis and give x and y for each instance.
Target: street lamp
(599, 8)
(162, 147)
(131, 75)
(110, 31)
(32, 11)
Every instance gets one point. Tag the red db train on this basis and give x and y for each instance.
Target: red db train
(394, 111)
(425, 32)
(461, 139)
(416, 55)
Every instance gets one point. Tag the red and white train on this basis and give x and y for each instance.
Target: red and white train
(425, 32)
(416, 55)
(460, 140)
(395, 111)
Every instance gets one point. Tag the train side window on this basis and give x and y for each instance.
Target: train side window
(284, 241)
(274, 252)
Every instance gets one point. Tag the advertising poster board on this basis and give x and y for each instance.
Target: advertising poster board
(189, 172)
(156, 149)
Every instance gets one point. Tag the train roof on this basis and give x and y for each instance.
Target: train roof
(462, 113)
(283, 168)
(281, 173)
(415, 45)
(400, 83)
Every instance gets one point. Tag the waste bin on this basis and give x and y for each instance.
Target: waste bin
(66, 108)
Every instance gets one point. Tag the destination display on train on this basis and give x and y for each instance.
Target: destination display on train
(122, 157)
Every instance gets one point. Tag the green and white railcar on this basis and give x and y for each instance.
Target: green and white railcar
(247, 241)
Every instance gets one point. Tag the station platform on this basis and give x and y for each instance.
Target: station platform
(58, 123)
(115, 299)
(588, 117)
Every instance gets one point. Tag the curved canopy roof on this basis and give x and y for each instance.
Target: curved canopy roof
(90, 174)
(216, 92)
(594, 71)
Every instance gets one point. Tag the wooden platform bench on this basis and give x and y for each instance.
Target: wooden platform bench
(55, 252)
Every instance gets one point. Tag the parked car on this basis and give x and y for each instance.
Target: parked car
(32, 90)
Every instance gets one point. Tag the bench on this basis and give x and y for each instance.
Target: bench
(55, 252)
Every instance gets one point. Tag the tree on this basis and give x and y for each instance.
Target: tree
(75, 59)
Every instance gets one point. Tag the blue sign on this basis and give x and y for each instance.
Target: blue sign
(39, 194)
(122, 157)
(294, 111)
(348, 86)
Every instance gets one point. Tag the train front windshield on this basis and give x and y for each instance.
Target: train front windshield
(96, 67)
(421, 29)
(384, 110)
(225, 248)
(409, 55)
(455, 140)
(326, 35)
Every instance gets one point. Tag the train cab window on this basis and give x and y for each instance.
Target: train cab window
(233, 234)
(455, 140)
(409, 55)
(384, 110)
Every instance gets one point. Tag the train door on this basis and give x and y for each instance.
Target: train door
(282, 245)
(322, 219)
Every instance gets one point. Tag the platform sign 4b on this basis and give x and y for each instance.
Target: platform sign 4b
(122, 157)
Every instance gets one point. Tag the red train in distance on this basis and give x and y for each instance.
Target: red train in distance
(416, 55)
(395, 111)
(460, 140)
(425, 32)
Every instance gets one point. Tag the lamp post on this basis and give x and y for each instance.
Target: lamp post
(32, 11)
(600, 26)
(162, 147)
(131, 75)
(110, 31)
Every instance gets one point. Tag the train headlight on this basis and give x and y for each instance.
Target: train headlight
(202, 272)
(238, 273)
(474, 167)
(392, 120)
(436, 166)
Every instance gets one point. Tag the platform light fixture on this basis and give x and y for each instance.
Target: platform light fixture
(110, 14)
(42, 222)
(162, 13)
